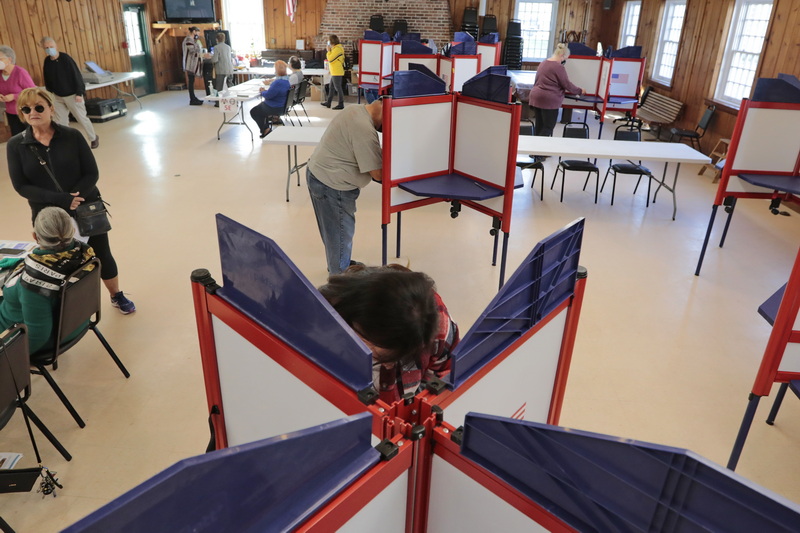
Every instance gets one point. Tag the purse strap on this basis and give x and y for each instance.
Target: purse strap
(44, 164)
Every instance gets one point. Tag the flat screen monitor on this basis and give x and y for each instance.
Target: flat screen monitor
(94, 67)
(197, 11)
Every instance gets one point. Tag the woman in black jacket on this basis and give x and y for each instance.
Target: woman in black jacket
(47, 145)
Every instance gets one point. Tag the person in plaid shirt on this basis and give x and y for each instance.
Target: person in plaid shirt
(401, 318)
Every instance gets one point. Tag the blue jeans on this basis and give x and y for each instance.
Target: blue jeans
(336, 218)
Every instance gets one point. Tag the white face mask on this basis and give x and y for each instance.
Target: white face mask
(2, 66)
(51, 51)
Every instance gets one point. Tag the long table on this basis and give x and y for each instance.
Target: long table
(234, 103)
(293, 137)
(609, 149)
(118, 78)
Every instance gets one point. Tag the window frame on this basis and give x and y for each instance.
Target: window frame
(239, 47)
(552, 39)
(734, 31)
(666, 26)
(624, 30)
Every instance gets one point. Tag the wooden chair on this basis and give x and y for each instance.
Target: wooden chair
(78, 310)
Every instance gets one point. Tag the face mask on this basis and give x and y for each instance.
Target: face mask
(329, 43)
(51, 51)
(564, 62)
(2, 66)
(196, 37)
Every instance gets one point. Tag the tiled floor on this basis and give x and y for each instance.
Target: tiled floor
(661, 355)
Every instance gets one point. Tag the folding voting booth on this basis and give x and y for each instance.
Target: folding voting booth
(490, 54)
(375, 64)
(489, 473)
(763, 160)
(450, 148)
(781, 360)
(438, 64)
(608, 84)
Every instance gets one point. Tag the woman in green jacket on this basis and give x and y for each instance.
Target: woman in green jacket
(30, 292)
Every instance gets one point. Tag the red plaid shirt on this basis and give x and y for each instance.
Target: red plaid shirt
(393, 382)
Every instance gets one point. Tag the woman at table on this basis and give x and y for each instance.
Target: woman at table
(547, 95)
(44, 148)
(274, 100)
(29, 292)
(13, 80)
(335, 58)
(401, 318)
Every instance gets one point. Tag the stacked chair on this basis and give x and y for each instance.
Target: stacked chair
(512, 46)
(470, 22)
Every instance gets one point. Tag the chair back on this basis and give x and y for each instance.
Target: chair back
(13, 361)
(289, 100)
(705, 120)
(644, 95)
(576, 130)
(627, 133)
(300, 95)
(80, 300)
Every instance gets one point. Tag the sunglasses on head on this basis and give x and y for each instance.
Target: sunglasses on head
(27, 110)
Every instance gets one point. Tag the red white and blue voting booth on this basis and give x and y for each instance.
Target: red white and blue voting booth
(423, 463)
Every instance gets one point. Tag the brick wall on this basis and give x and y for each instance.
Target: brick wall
(348, 19)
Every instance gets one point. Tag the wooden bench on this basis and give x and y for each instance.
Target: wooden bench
(659, 110)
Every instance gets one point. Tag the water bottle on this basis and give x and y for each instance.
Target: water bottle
(211, 90)
(225, 91)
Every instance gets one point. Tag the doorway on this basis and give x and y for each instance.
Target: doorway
(138, 47)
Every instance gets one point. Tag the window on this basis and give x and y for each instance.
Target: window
(133, 34)
(667, 49)
(245, 21)
(745, 40)
(630, 23)
(538, 18)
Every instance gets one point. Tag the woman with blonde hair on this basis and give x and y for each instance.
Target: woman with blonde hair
(547, 95)
(52, 165)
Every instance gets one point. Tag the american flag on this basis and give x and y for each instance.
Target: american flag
(291, 7)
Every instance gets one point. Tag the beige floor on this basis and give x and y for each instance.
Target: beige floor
(661, 355)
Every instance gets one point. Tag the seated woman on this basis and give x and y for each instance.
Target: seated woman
(401, 318)
(297, 74)
(29, 293)
(274, 102)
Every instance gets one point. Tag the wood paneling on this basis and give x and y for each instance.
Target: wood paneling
(282, 33)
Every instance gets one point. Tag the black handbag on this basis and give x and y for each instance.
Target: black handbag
(91, 217)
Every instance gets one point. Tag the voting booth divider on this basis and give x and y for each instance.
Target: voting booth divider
(763, 160)
(490, 54)
(376, 63)
(432, 469)
(781, 360)
(465, 155)
(608, 84)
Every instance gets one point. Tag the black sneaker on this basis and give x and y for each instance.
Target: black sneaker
(195, 102)
(124, 305)
(326, 104)
(340, 106)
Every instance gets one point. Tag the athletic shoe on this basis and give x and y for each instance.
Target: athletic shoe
(326, 104)
(124, 305)
(340, 106)
(96, 142)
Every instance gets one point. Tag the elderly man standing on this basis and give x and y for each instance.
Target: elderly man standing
(63, 78)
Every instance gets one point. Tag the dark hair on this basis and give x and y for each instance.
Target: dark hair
(193, 28)
(220, 37)
(333, 39)
(389, 306)
(294, 62)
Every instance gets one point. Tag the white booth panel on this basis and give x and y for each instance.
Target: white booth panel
(459, 503)
(370, 60)
(420, 141)
(446, 71)
(791, 358)
(525, 377)
(770, 140)
(482, 137)
(605, 72)
(583, 73)
(464, 68)
(431, 62)
(255, 390)
(488, 55)
(400, 197)
(387, 59)
(370, 78)
(386, 512)
(625, 78)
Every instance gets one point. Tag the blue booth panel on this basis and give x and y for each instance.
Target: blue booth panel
(271, 485)
(540, 284)
(597, 482)
(261, 281)
(783, 89)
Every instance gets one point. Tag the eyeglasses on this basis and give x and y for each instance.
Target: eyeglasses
(27, 110)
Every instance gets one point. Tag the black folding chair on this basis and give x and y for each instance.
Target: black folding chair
(78, 311)
(627, 133)
(697, 133)
(577, 130)
(299, 98)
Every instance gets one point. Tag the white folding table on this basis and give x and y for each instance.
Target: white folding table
(609, 149)
(238, 95)
(293, 137)
(118, 78)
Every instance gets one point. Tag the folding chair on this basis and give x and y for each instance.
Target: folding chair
(78, 311)
(696, 134)
(532, 162)
(299, 98)
(15, 382)
(629, 120)
(627, 133)
(577, 130)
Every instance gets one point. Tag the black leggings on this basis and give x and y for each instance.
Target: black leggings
(336, 85)
(102, 249)
(261, 114)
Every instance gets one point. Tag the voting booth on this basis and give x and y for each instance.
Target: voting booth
(375, 64)
(429, 463)
(763, 160)
(450, 148)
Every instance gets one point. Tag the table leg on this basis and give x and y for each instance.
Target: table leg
(674, 196)
(295, 164)
(132, 95)
(224, 121)
(291, 169)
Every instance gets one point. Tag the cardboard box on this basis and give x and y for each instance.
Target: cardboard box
(354, 77)
(316, 93)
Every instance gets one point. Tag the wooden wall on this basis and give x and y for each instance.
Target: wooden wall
(282, 33)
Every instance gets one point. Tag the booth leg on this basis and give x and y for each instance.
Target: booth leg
(503, 260)
(383, 244)
(777, 405)
(747, 421)
(730, 209)
(705, 241)
(399, 215)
